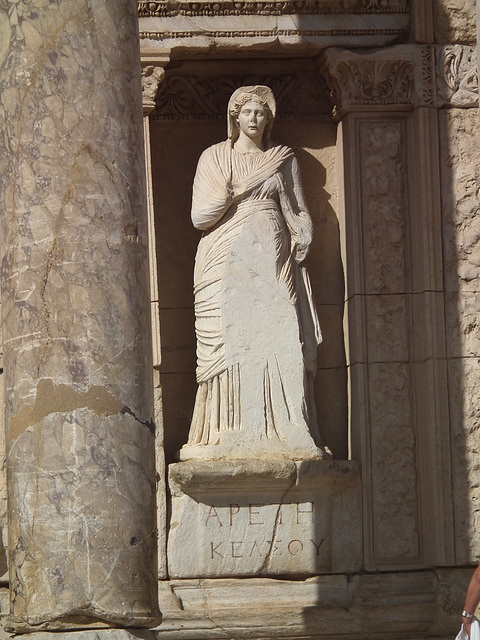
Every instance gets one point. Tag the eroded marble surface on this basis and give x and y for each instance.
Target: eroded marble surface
(264, 518)
(76, 326)
(461, 230)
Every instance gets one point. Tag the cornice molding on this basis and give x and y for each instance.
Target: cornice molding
(172, 8)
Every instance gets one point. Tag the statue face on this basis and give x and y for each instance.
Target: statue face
(252, 119)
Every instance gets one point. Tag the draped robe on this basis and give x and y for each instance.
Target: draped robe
(255, 320)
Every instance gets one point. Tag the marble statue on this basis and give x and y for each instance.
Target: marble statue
(256, 324)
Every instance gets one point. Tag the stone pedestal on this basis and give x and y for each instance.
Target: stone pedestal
(76, 324)
(256, 518)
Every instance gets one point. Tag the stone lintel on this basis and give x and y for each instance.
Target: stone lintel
(201, 28)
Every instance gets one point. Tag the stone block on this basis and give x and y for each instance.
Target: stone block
(454, 21)
(463, 322)
(252, 518)
(387, 322)
(460, 167)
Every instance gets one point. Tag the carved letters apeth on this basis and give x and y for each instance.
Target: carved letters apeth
(171, 8)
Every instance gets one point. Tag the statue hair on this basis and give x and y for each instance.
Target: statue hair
(257, 93)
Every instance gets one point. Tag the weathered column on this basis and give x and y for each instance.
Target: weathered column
(77, 338)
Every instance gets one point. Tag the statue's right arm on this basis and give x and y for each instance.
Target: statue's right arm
(212, 195)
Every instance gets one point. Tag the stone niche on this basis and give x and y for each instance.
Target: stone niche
(189, 116)
(251, 518)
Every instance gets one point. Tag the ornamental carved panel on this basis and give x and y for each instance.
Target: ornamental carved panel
(355, 82)
(172, 8)
(182, 97)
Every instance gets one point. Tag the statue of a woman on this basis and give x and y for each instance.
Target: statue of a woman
(256, 324)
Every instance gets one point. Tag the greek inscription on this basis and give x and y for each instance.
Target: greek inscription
(213, 550)
(295, 548)
(253, 513)
(317, 546)
(273, 547)
(213, 514)
(233, 509)
(256, 547)
(239, 550)
(303, 511)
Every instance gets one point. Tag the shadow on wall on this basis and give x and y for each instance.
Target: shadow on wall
(176, 147)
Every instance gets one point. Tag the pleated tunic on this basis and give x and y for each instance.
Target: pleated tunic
(255, 321)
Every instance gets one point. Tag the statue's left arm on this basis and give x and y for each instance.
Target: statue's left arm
(296, 211)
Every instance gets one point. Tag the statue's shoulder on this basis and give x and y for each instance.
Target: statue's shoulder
(217, 152)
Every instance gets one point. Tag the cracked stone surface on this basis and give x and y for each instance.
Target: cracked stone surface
(257, 518)
(75, 292)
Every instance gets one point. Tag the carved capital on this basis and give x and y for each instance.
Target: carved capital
(368, 82)
(457, 76)
(152, 76)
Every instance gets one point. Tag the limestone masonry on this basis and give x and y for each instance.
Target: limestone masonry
(240, 248)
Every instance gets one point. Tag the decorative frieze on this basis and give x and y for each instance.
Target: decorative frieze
(271, 33)
(193, 97)
(167, 8)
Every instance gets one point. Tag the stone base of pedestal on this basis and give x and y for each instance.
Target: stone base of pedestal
(92, 634)
(258, 518)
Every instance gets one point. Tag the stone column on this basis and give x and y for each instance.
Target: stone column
(76, 321)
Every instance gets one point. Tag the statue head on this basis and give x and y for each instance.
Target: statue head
(242, 95)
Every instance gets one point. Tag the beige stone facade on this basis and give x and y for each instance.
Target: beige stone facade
(379, 101)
